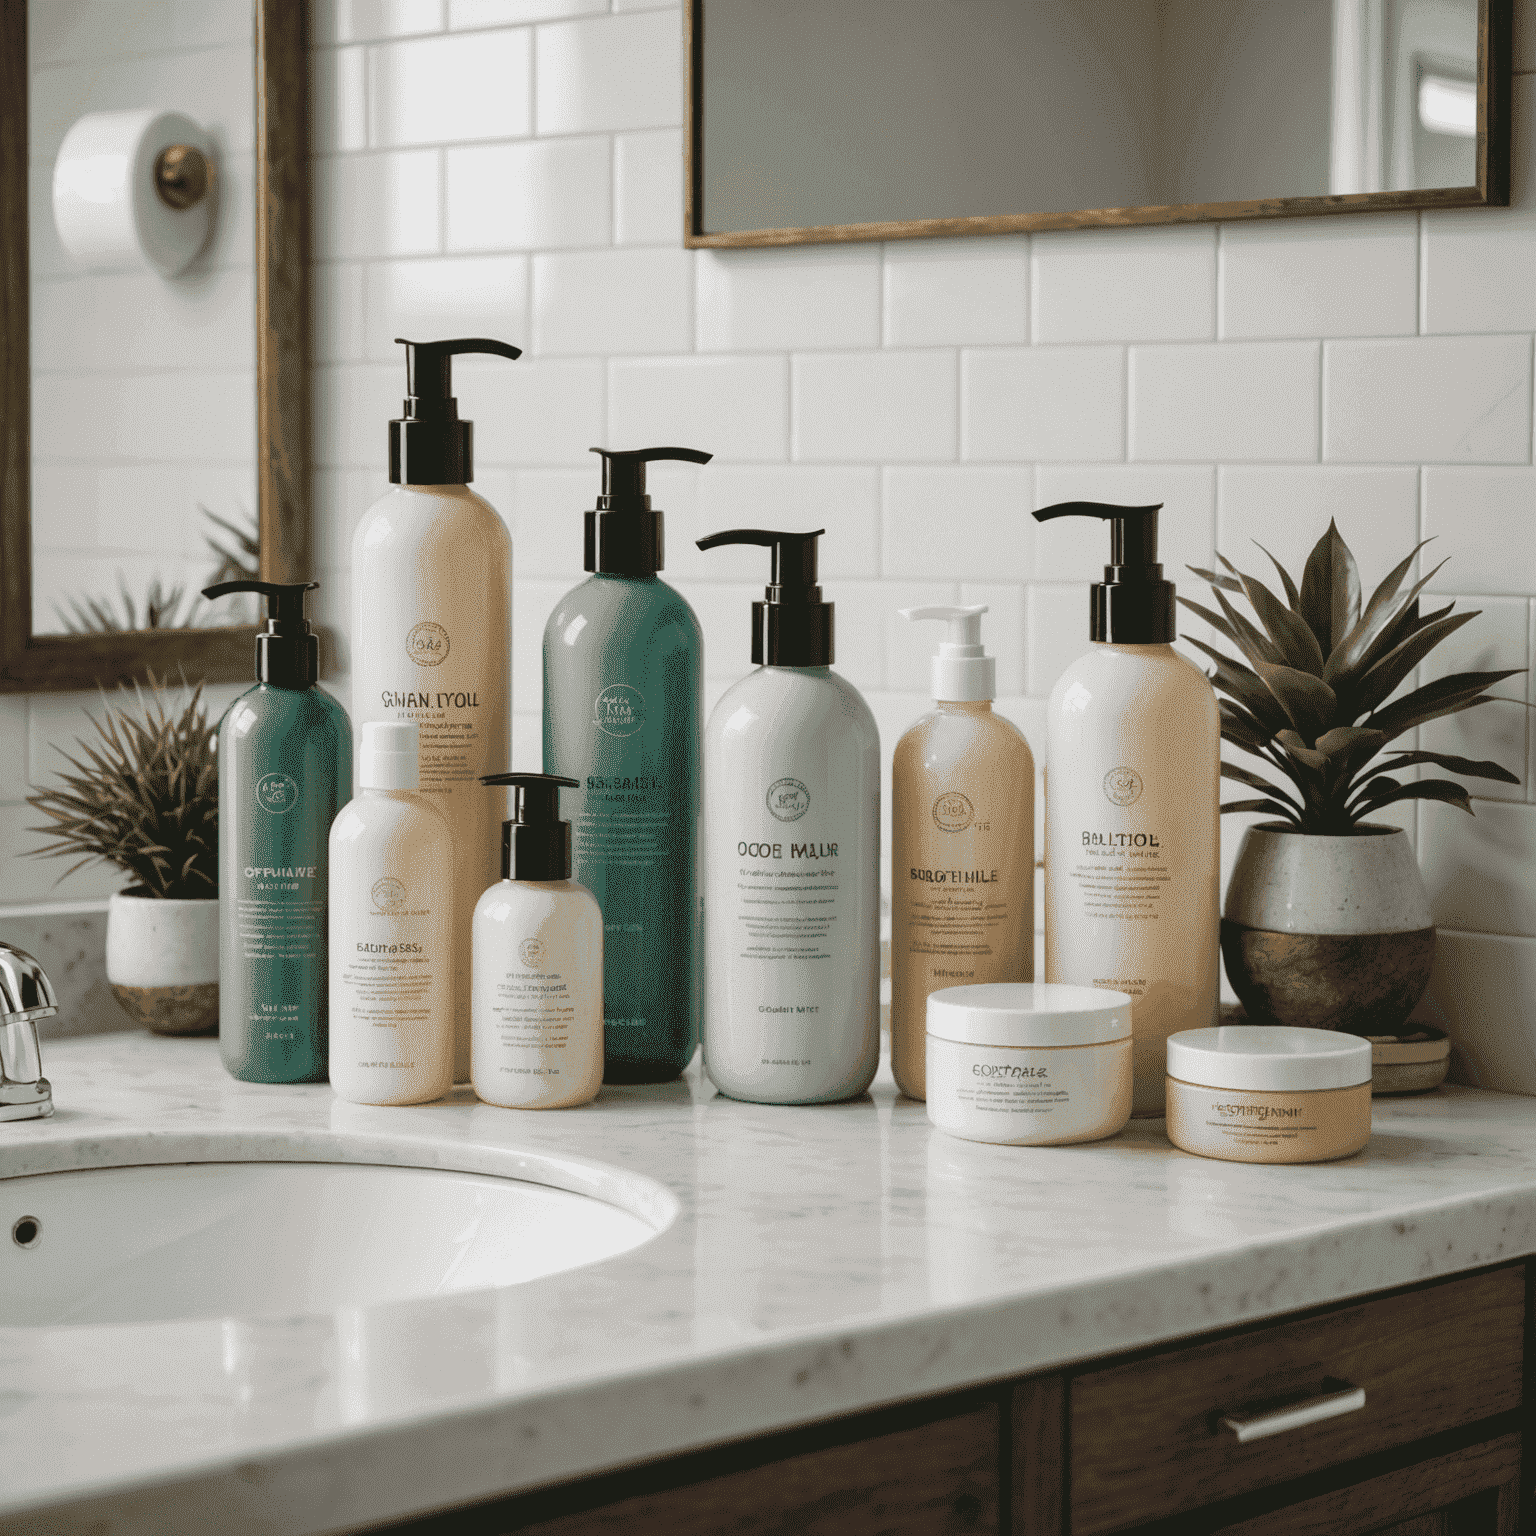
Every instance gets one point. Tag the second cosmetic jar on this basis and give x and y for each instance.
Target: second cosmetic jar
(1031, 1064)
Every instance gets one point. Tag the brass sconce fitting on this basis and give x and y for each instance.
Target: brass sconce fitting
(181, 176)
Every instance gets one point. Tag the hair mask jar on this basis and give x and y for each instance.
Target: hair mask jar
(1256, 1093)
(1029, 1064)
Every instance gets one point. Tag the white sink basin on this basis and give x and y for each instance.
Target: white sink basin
(199, 1240)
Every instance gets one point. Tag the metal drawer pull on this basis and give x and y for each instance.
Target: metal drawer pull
(1339, 1398)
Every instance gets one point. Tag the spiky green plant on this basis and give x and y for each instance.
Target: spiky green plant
(1313, 696)
(143, 795)
(163, 607)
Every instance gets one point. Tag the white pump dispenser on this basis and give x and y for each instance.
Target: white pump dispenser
(962, 841)
(962, 670)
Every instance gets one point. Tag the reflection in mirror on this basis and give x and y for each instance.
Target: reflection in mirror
(809, 113)
(143, 385)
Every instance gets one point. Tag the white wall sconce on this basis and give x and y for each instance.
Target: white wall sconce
(134, 187)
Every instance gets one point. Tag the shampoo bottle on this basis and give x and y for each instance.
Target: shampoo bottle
(1133, 806)
(623, 707)
(791, 855)
(962, 844)
(432, 627)
(285, 769)
(391, 934)
(538, 965)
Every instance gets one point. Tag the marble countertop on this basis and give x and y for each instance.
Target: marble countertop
(821, 1260)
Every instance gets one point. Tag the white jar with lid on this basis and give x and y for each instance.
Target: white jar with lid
(1257, 1093)
(1031, 1064)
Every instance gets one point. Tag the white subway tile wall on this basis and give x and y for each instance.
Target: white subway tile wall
(514, 167)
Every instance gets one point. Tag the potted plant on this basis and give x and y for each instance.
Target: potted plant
(143, 794)
(1326, 921)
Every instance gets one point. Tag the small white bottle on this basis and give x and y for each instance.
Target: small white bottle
(391, 930)
(791, 856)
(536, 1013)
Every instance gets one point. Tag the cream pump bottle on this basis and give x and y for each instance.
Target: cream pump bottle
(538, 962)
(791, 855)
(962, 844)
(432, 627)
(391, 934)
(1132, 807)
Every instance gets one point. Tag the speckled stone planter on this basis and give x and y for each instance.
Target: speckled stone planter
(1328, 932)
(163, 961)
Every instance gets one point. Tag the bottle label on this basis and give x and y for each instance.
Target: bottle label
(1122, 786)
(787, 893)
(788, 799)
(427, 644)
(952, 812)
(619, 710)
(277, 793)
(533, 1012)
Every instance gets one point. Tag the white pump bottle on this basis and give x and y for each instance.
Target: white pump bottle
(962, 843)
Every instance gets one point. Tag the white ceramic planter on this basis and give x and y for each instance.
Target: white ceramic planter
(1328, 932)
(163, 961)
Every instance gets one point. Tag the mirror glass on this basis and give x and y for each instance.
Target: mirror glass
(829, 112)
(143, 386)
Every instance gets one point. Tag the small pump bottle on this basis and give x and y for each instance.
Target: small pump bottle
(391, 934)
(623, 712)
(432, 624)
(791, 855)
(1133, 807)
(962, 844)
(285, 769)
(537, 1008)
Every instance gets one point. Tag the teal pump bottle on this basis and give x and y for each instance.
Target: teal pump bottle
(623, 709)
(285, 769)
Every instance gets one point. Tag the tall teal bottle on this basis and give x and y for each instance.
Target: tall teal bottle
(285, 769)
(623, 710)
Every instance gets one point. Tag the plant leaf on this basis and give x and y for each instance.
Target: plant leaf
(1247, 687)
(1292, 596)
(1240, 728)
(1253, 781)
(1481, 769)
(1445, 696)
(1377, 632)
(1379, 683)
(1330, 590)
(1212, 618)
(1297, 748)
(1296, 643)
(1254, 645)
(1226, 583)
(1307, 700)
(1273, 806)
(1443, 790)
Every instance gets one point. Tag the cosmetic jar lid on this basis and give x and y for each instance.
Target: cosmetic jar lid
(1029, 1013)
(1266, 1058)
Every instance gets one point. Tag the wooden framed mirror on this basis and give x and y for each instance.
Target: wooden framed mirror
(843, 120)
(46, 646)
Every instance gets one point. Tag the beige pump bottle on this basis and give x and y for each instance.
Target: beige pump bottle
(1132, 807)
(962, 844)
(432, 628)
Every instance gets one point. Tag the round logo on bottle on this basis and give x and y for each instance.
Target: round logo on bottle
(277, 793)
(953, 812)
(531, 953)
(427, 644)
(1122, 786)
(388, 894)
(788, 799)
(619, 710)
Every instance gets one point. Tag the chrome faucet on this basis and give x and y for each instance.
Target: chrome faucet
(26, 995)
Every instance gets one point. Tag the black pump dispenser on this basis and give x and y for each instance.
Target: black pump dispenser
(287, 652)
(535, 844)
(624, 537)
(429, 445)
(1133, 605)
(791, 627)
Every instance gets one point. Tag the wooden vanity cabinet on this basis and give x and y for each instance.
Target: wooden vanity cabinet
(1138, 1445)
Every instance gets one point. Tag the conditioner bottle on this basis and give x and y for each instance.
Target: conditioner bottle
(285, 769)
(1132, 806)
(432, 626)
(538, 966)
(391, 930)
(962, 844)
(791, 855)
(623, 705)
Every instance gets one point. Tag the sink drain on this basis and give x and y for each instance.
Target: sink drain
(27, 1232)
